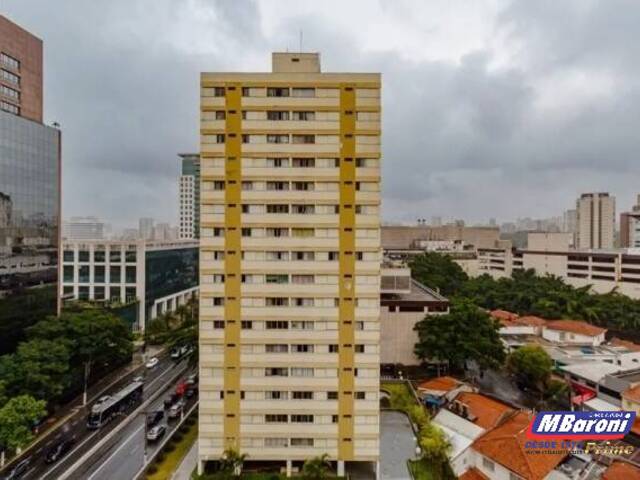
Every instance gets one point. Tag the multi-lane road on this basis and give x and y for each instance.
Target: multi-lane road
(157, 379)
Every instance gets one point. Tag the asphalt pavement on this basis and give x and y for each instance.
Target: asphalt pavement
(76, 428)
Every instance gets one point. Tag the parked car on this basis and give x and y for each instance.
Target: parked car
(154, 418)
(184, 350)
(170, 400)
(176, 409)
(176, 353)
(19, 470)
(152, 362)
(156, 433)
(59, 450)
(192, 379)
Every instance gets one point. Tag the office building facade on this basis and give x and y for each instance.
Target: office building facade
(29, 189)
(83, 228)
(290, 264)
(630, 227)
(596, 215)
(152, 277)
(189, 191)
(20, 71)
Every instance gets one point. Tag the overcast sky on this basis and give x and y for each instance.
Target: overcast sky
(491, 108)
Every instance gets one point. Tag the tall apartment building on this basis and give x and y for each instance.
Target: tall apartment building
(290, 264)
(145, 228)
(189, 191)
(596, 220)
(630, 227)
(20, 71)
(29, 189)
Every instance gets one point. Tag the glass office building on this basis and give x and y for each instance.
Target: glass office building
(29, 225)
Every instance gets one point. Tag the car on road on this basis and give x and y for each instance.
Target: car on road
(184, 350)
(152, 362)
(96, 406)
(192, 379)
(176, 353)
(139, 378)
(154, 418)
(170, 400)
(176, 409)
(156, 433)
(19, 470)
(59, 450)
(192, 391)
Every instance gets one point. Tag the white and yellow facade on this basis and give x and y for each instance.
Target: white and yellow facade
(290, 264)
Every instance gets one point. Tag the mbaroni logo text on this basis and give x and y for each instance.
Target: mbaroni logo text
(581, 425)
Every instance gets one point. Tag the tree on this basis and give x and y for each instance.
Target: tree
(231, 463)
(17, 417)
(316, 468)
(94, 337)
(532, 367)
(466, 333)
(438, 271)
(39, 368)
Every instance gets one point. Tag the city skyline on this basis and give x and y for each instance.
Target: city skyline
(500, 107)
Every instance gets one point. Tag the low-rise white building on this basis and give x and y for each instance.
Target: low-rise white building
(573, 331)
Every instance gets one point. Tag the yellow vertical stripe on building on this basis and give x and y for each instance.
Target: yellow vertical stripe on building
(232, 259)
(347, 257)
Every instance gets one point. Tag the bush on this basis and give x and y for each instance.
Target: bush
(184, 429)
(169, 447)
(152, 469)
(160, 457)
(177, 437)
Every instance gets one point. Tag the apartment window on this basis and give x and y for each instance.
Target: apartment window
(247, 186)
(333, 348)
(9, 107)
(246, 138)
(218, 324)
(246, 232)
(68, 255)
(218, 185)
(304, 116)
(276, 302)
(275, 395)
(277, 115)
(302, 395)
(277, 348)
(98, 274)
(304, 162)
(276, 372)
(218, 91)
(301, 325)
(276, 442)
(303, 92)
(301, 372)
(303, 139)
(278, 208)
(277, 278)
(488, 464)
(359, 349)
(276, 256)
(220, 115)
(98, 256)
(303, 186)
(277, 92)
(246, 92)
(278, 418)
(334, 418)
(303, 256)
(303, 302)
(332, 395)
(303, 348)
(277, 162)
(277, 232)
(302, 279)
(302, 442)
(10, 77)
(9, 61)
(301, 418)
(114, 274)
(280, 138)
(333, 256)
(277, 186)
(68, 273)
(9, 92)
(277, 325)
(359, 395)
(83, 255)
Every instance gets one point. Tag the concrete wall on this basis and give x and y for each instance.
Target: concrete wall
(397, 337)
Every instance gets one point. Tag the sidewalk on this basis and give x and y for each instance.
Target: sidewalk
(188, 464)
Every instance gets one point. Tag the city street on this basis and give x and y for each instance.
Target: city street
(155, 379)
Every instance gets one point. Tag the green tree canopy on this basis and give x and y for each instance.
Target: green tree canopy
(466, 333)
(438, 271)
(316, 468)
(17, 417)
(532, 366)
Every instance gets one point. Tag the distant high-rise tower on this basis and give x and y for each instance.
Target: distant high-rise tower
(630, 227)
(20, 71)
(290, 262)
(145, 228)
(189, 227)
(596, 213)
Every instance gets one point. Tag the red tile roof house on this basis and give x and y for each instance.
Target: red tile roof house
(500, 453)
(573, 332)
(512, 324)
